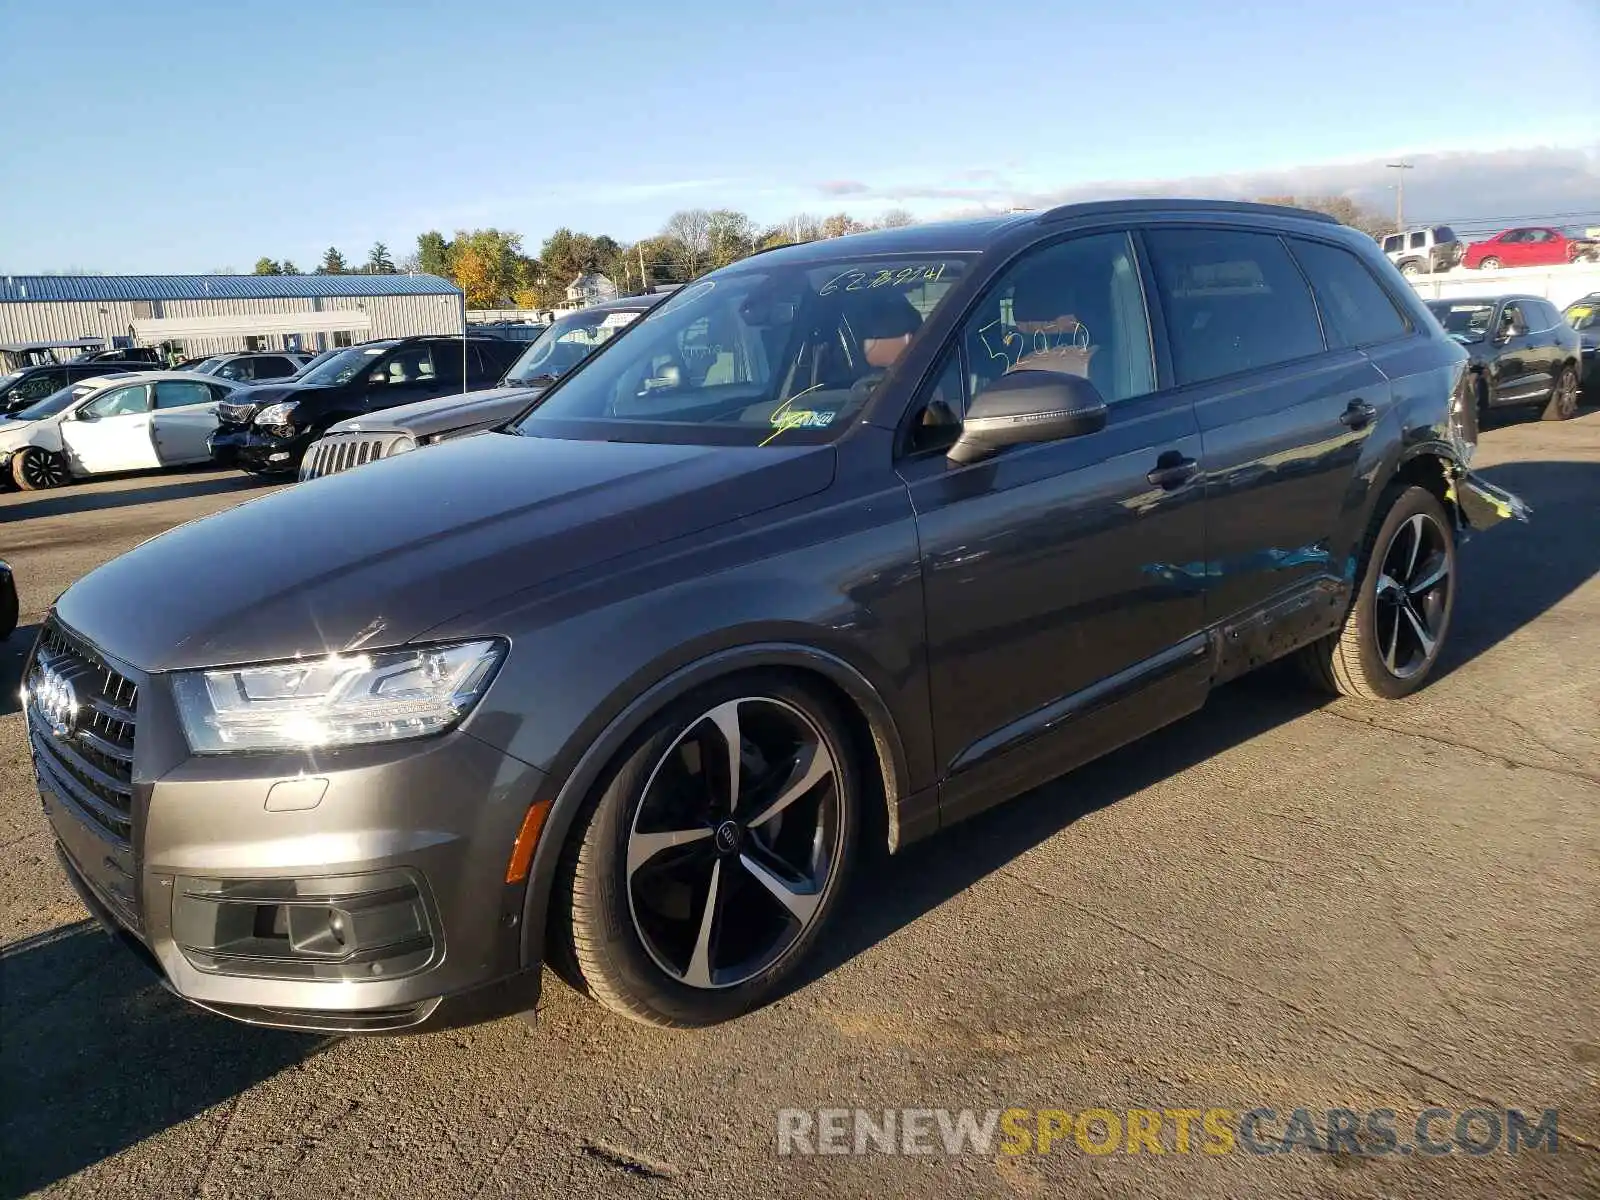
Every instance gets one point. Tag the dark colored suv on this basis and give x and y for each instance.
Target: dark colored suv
(850, 539)
(266, 429)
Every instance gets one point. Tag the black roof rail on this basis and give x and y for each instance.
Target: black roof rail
(1095, 208)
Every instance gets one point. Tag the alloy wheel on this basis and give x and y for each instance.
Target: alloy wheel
(735, 842)
(1566, 395)
(1413, 595)
(41, 469)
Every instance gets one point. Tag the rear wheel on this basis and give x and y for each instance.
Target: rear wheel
(1489, 264)
(34, 469)
(1563, 405)
(712, 857)
(1397, 625)
(1411, 267)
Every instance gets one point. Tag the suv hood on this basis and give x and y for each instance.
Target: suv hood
(388, 552)
(426, 418)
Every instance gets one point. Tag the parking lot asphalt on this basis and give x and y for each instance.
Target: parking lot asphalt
(1279, 902)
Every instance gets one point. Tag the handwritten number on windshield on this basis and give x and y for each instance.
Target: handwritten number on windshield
(864, 281)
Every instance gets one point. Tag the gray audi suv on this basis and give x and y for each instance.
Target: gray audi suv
(837, 546)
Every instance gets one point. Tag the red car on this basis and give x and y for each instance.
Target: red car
(1531, 246)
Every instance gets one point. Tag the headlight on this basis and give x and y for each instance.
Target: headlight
(340, 700)
(277, 414)
(402, 445)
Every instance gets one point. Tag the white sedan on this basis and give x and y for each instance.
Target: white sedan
(110, 423)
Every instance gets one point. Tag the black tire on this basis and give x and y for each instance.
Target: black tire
(1411, 267)
(1563, 403)
(34, 469)
(598, 915)
(1355, 661)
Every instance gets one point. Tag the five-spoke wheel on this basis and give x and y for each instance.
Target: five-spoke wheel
(709, 862)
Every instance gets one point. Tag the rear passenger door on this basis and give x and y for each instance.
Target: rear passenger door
(1282, 420)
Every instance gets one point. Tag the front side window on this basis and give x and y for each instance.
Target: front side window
(1394, 243)
(412, 365)
(346, 365)
(1466, 321)
(274, 368)
(236, 369)
(1512, 321)
(764, 352)
(1419, 240)
(1075, 308)
(1234, 301)
(120, 402)
(181, 393)
(1355, 307)
(566, 344)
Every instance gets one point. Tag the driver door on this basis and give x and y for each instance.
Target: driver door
(185, 415)
(111, 432)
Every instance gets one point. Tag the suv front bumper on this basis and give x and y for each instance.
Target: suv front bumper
(254, 449)
(352, 891)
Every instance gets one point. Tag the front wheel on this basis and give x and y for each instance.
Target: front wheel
(34, 469)
(1489, 264)
(1397, 625)
(1563, 405)
(713, 855)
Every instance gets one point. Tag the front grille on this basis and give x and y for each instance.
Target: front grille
(337, 452)
(236, 414)
(91, 763)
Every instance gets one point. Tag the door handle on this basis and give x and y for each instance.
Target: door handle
(1357, 414)
(1173, 470)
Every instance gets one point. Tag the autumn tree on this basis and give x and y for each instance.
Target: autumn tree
(731, 236)
(802, 227)
(268, 266)
(1341, 208)
(689, 230)
(895, 218)
(840, 224)
(474, 274)
(488, 265)
(333, 263)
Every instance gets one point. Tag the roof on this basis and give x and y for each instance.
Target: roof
(1495, 299)
(118, 380)
(17, 288)
(978, 233)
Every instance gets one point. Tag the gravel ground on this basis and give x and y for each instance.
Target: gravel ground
(1274, 903)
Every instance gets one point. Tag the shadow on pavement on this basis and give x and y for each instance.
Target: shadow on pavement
(13, 653)
(97, 1056)
(87, 499)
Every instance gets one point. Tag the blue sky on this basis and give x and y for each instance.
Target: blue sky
(183, 137)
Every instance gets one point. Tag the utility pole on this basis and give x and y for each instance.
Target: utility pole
(1400, 193)
(644, 279)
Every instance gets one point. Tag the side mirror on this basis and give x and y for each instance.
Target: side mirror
(85, 414)
(378, 377)
(1026, 407)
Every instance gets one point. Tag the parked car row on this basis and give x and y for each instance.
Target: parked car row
(1429, 249)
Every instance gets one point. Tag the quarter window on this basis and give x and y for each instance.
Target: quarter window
(1355, 307)
(937, 421)
(1234, 301)
(1076, 308)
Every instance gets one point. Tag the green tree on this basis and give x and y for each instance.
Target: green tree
(289, 268)
(333, 263)
(378, 260)
(433, 253)
(268, 266)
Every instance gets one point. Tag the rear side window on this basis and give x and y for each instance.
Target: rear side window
(1443, 233)
(1419, 240)
(1356, 309)
(1234, 301)
(274, 368)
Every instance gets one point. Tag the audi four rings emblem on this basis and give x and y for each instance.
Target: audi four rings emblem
(54, 699)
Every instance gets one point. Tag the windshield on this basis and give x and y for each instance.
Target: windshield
(346, 365)
(1468, 322)
(56, 401)
(1585, 314)
(749, 354)
(566, 344)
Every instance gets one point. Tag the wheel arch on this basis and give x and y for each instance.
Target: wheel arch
(871, 726)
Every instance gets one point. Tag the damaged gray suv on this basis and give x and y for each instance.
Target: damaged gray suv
(836, 547)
